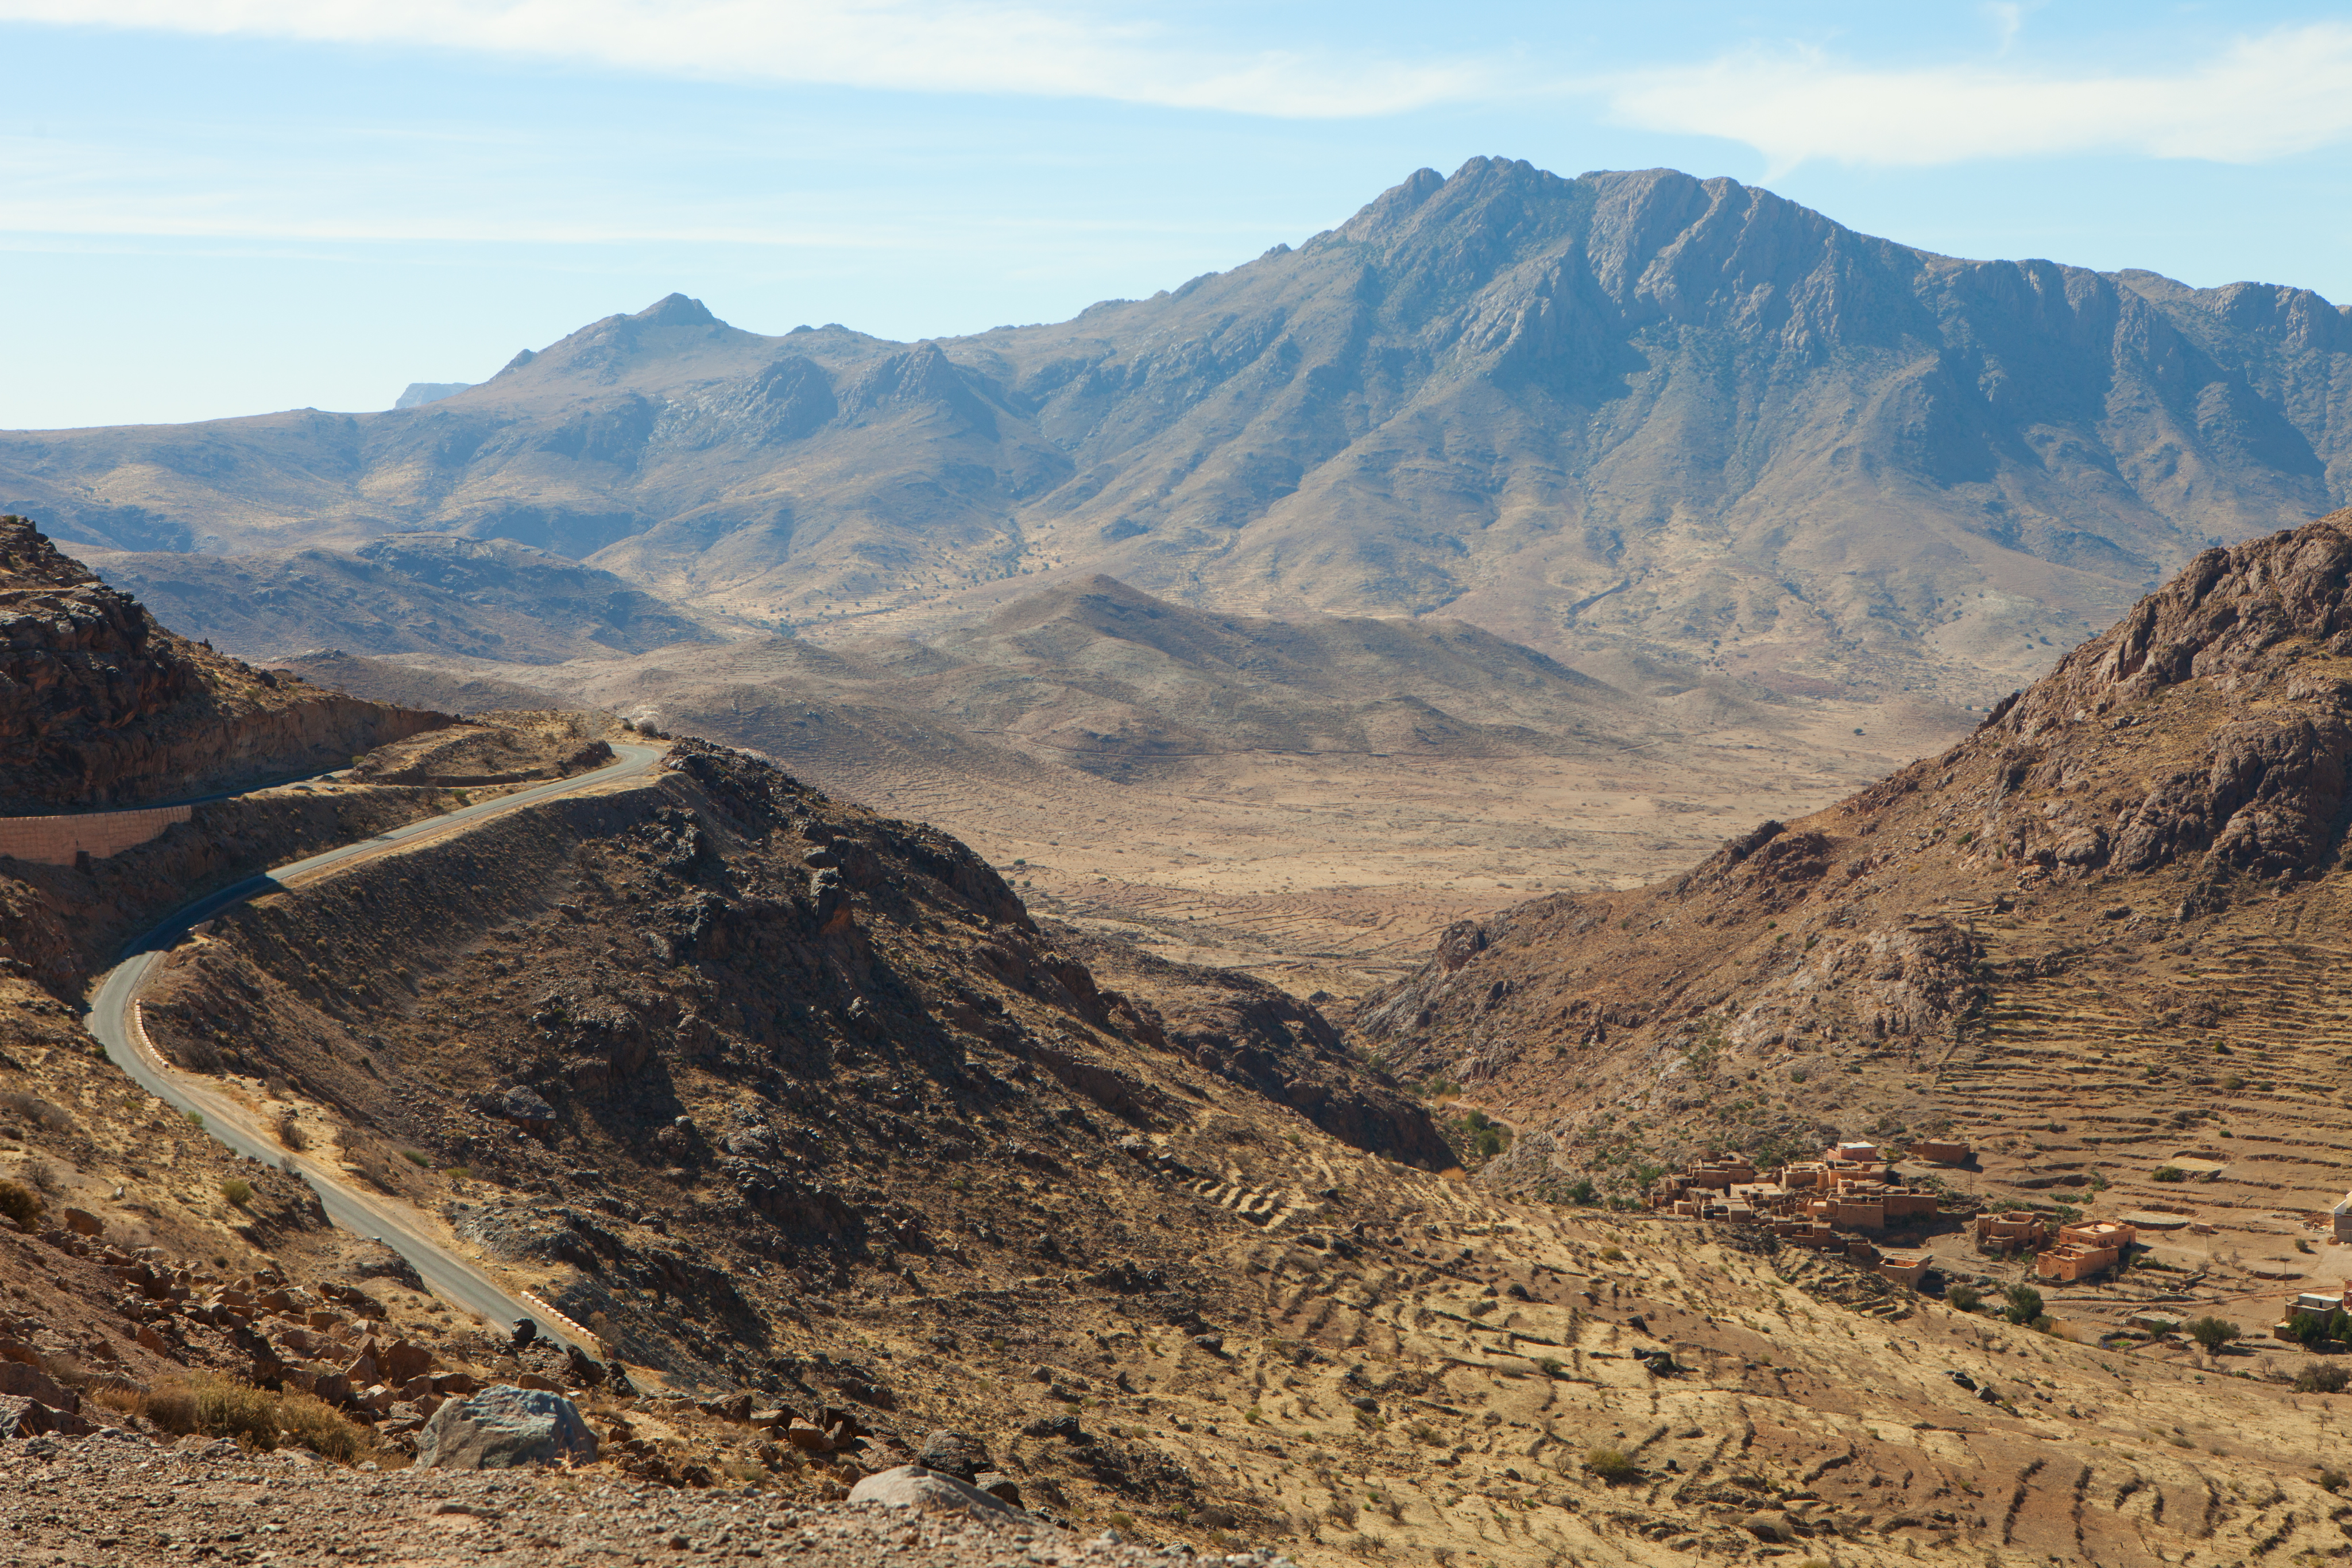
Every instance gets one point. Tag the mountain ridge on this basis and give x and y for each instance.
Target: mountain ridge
(1626, 417)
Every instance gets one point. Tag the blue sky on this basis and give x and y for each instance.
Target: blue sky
(214, 207)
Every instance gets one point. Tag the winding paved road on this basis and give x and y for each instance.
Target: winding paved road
(114, 1019)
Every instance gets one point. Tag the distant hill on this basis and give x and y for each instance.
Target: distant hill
(419, 393)
(1650, 425)
(1096, 677)
(410, 594)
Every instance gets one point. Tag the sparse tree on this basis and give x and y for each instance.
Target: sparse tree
(2025, 1303)
(2212, 1333)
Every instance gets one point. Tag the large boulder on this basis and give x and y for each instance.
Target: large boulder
(927, 1491)
(503, 1427)
(22, 1417)
(31, 1382)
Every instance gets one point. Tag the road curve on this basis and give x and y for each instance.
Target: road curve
(114, 1019)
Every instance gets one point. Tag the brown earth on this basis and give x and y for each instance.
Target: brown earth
(932, 1175)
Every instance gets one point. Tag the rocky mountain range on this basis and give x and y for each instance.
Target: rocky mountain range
(1622, 418)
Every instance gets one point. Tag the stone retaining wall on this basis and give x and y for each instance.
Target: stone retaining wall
(60, 841)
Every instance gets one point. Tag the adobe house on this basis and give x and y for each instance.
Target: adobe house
(1941, 1151)
(1852, 1153)
(2085, 1251)
(1903, 1268)
(2013, 1231)
(2340, 1217)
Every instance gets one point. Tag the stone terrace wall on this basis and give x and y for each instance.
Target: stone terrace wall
(59, 840)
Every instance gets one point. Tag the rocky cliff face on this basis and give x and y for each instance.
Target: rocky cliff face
(101, 707)
(2119, 878)
(1614, 417)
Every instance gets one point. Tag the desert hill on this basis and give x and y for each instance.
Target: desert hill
(1621, 417)
(2101, 938)
(407, 593)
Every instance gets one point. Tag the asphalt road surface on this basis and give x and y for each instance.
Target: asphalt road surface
(114, 1019)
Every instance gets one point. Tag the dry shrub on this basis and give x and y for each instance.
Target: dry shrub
(208, 1404)
(1610, 1465)
(126, 1399)
(237, 1191)
(289, 1132)
(373, 1162)
(21, 1204)
(36, 1111)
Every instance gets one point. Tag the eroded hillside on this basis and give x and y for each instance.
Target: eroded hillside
(786, 1097)
(1311, 797)
(851, 1161)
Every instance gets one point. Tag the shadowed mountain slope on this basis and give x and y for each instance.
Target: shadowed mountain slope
(1623, 416)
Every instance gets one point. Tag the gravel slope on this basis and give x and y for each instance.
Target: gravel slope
(118, 1498)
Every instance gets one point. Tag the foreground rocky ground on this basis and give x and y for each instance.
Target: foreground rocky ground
(119, 1499)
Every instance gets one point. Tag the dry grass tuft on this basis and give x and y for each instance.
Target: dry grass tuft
(212, 1406)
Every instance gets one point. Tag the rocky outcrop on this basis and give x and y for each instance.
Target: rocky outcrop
(101, 707)
(504, 1427)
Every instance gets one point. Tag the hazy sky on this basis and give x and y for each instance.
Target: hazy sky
(214, 207)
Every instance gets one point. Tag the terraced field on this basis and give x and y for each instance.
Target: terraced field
(1442, 1370)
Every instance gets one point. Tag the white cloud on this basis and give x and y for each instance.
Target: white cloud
(2285, 92)
(938, 46)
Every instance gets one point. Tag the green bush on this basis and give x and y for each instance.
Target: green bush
(413, 1158)
(1550, 1365)
(2024, 1304)
(2170, 1173)
(2332, 1480)
(212, 1406)
(2312, 1328)
(2212, 1333)
(237, 1191)
(1964, 1298)
(1610, 1465)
